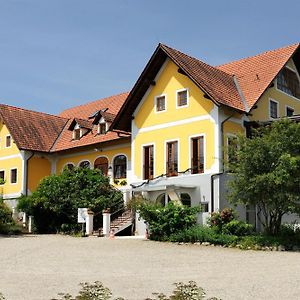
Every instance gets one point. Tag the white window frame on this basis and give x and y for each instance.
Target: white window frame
(99, 124)
(10, 141)
(278, 115)
(191, 149)
(288, 107)
(187, 98)
(166, 153)
(3, 170)
(155, 103)
(78, 165)
(143, 159)
(13, 183)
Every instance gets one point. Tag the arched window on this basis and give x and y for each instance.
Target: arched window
(85, 164)
(69, 166)
(186, 199)
(101, 163)
(120, 166)
(162, 199)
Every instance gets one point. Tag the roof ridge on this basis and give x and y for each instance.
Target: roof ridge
(257, 55)
(192, 57)
(31, 110)
(93, 101)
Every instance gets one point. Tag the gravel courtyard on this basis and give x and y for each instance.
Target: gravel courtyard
(39, 267)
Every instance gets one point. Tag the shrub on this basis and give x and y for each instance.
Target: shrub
(5, 214)
(97, 291)
(55, 202)
(239, 228)
(165, 220)
(218, 219)
(203, 234)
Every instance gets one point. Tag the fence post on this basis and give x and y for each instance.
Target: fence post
(30, 224)
(89, 225)
(106, 222)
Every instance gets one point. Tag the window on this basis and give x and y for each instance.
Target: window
(148, 162)
(102, 128)
(182, 98)
(160, 103)
(2, 177)
(163, 199)
(8, 141)
(273, 109)
(204, 207)
(185, 199)
(13, 175)
(197, 164)
(85, 164)
(289, 111)
(172, 159)
(76, 134)
(69, 166)
(288, 82)
(120, 166)
(101, 163)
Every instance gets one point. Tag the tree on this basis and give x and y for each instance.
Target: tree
(267, 172)
(55, 202)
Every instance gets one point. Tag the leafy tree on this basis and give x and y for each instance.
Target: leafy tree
(267, 172)
(55, 202)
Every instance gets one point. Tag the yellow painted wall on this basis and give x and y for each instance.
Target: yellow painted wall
(38, 168)
(261, 113)
(168, 83)
(76, 157)
(182, 133)
(7, 163)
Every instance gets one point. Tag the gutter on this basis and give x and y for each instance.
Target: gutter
(212, 177)
(26, 185)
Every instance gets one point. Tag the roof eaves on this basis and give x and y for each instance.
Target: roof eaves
(236, 82)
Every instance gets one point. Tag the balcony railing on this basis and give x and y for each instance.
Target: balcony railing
(171, 169)
(197, 166)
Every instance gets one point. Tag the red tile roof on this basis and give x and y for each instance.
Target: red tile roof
(111, 104)
(255, 73)
(32, 130)
(220, 86)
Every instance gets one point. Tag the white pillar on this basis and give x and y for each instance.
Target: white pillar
(110, 175)
(24, 219)
(89, 223)
(106, 222)
(30, 223)
(14, 213)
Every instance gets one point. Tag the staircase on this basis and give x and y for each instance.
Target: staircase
(119, 223)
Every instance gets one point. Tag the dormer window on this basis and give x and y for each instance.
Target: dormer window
(77, 134)
(102, 128)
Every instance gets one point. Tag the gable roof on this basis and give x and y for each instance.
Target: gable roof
(82, 123)
(255, 73)
(238, 84)
(83, 114)
(219, 86)
(32, 130)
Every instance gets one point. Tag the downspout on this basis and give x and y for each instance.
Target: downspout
(26, 185)
(212, 192)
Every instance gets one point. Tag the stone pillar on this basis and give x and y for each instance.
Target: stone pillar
(14, 213)
(30, 224)
(89, 223)
(106, 222)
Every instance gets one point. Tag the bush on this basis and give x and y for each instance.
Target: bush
(165, 220)
(5, 214)
(203, 234)
(239, 228)
(218, 219)
(10, 229)
(55, 202)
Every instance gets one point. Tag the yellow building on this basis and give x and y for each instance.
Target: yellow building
(167, 138)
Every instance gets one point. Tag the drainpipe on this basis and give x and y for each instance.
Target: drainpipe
(26, 185)
(212, 192)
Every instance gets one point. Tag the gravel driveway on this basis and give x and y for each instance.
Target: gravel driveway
(39, 267)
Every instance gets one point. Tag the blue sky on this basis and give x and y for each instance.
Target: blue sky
(55, 54)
